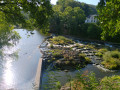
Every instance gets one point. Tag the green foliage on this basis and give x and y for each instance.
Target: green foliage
(68, 21)
(68, 17)
(57, 53)
(79, 46)
(87, 59)
(111, 60)
(101, 52)
(60, 40)
(91, 31)
(90, 46)
(51, 46)
(52, 82)
(82, 55)
(89, 9)
(108, 11)
(6, 32)
(110, 83)
(84, 81)
(25, 12)
(87, 81)
(58, 85)
(94, 31)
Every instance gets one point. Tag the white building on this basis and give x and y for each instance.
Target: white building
(91, 19)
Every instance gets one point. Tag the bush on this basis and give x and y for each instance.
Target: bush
(82, 56)
(110, 83)
(101, 52)
(88, 60)
(60, 40)
(111, 60)
(57, 53)
(94, 31)
(90, 46)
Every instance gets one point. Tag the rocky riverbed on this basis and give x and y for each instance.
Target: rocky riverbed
(71, 55)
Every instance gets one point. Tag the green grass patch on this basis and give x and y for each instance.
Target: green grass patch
(101, 52)
(60, 40)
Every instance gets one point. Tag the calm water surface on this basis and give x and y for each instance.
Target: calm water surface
(18, 64)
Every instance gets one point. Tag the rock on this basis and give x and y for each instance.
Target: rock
(65, 70)
(98, 58)
(65, 88)
(104, 69)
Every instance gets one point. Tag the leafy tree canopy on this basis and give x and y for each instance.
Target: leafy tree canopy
(89, 9)
(67, 21)
(109, 17)
(26, 12)
(6, 33)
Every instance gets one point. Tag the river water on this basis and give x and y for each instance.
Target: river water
(18, 64)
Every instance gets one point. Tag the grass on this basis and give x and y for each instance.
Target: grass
(111, 60)
(101, 52)
(56, 53)
(60, 40)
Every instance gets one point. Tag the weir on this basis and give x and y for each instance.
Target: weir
(38, 78)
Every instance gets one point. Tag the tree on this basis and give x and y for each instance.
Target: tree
(26, 12)
(68, 21)
(88, 9)
(109, 17)
(94, 31)
(6, 33)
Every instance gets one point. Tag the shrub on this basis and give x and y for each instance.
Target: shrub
(88, 60)
(82, 55)
(94, 31)
(101, 52)
(110, 83)
(60, 40)
(83, 81)
(111, 60)
(67, 62)
(90, 46)
(57, 55)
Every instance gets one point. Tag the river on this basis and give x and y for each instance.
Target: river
(19, 63)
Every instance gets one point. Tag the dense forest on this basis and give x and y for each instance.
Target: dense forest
(69, 19)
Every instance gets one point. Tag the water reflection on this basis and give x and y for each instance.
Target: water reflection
(8, 74)
(9, 54)
(18, 63)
